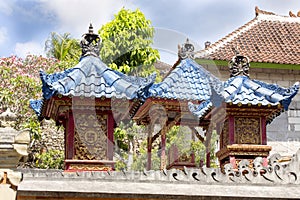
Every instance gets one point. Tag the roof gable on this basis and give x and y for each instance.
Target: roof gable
(241, 90)
(92, 78)
(187, 81)
(268, 38)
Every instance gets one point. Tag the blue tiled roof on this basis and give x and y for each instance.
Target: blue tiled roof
(243, 90)
(201, 109)
(92, 78)
(188, 81)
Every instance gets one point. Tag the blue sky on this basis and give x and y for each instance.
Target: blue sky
(25, 25)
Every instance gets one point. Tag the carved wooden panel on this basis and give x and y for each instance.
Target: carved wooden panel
(90, 139)
(247, 130)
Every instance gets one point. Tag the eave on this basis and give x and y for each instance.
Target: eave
(252, 64)
(57, 106)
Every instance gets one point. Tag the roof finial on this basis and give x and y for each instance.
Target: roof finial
(259, 11)
(90, 43)
(91, 29)
(186, 50)
(292, 14)
(239, 64)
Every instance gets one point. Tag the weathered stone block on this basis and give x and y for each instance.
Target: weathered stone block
(276, 77)
(288, 76)
(297, 127)
(292, 113)
(283, 83)
(264, 76)
(294, 120)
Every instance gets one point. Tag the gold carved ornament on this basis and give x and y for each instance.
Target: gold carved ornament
(247, 130)
(90, 140)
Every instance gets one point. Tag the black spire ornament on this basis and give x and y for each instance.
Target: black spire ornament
(90, 43)
(239, 65)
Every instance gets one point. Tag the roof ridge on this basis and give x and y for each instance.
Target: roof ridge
(227, 38)
(261, 17)
(270, 15)
(259, 11)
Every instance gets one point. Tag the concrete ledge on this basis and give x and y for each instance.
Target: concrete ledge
(148, 190)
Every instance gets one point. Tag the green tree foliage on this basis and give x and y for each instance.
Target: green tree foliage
(180, 136)
(131, 142)
(52, 159)
(200, 152)
(63, 47)
(126, 43)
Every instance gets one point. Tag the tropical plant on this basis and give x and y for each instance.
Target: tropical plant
(63, 47)
(126, 43)
(52, 159)
(180, 136)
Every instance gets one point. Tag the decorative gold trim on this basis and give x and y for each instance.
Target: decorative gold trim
(247, 130)
(89, 167)
(243, 150)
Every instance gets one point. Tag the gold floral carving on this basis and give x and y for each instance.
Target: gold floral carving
(247, 130)
(90, 167)
(90, 139)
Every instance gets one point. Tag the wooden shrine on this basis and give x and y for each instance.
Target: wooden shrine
(88, 100)
(167, 105)
(246, 107)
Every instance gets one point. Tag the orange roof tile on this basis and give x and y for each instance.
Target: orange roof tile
(267, 38)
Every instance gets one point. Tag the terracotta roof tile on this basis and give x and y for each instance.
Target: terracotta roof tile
(267, 38)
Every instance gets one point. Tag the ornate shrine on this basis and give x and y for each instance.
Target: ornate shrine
(167, 104)
(89, 100)
(246, 109)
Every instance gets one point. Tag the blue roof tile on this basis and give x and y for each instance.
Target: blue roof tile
(92, 78)
(243, 90)
(188, 81)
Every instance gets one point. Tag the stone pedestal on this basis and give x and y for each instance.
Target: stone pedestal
(13, 148)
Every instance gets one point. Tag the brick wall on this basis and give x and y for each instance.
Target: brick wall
(285, 127)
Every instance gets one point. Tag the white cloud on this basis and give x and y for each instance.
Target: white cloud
(3, 35)
(74, 16)
(6, 7)
(23, 49)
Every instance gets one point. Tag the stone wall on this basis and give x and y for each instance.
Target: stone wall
(52, 137)
(285, 127)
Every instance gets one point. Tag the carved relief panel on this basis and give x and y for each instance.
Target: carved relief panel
(90, 139)
(247, 130)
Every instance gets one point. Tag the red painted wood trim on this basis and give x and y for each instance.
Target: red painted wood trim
(163, 150)
(110, 136)
(263, 130)
(231, 129)
(208, 159)
(193, 153)
(70, 131)
(149, 153)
